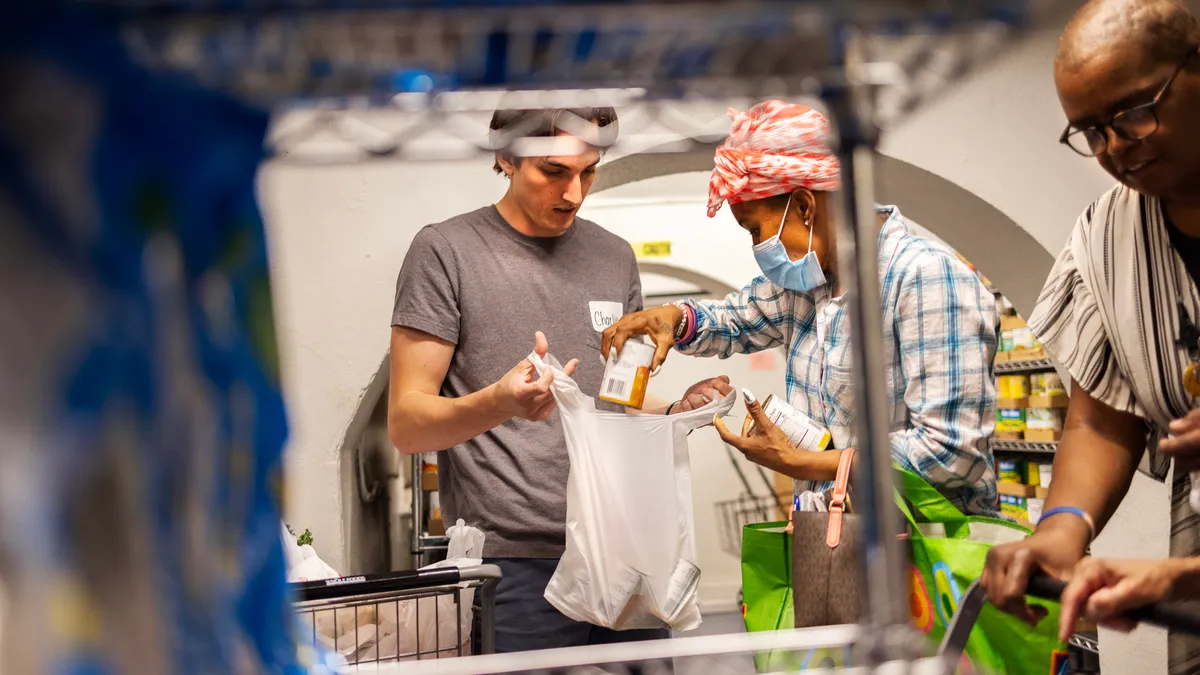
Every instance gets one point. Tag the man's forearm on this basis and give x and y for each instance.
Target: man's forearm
(420, 422)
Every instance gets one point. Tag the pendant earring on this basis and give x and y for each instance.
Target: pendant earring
(1191, 377)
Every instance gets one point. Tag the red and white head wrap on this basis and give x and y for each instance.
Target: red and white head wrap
(772, 149)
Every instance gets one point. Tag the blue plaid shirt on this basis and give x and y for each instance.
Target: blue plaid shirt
(939, 329)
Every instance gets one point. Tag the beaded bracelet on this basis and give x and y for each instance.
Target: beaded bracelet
(689, 317)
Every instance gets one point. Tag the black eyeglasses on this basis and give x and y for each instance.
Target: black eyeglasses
(1132, 124)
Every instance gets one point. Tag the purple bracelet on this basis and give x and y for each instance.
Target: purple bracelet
(689, 316)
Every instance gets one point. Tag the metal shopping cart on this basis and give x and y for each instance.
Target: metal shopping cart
(748, 507)
(735, 514)
(825, 649)
(402, 616)
(444, 64)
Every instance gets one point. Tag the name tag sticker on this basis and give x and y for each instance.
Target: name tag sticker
(604, 314)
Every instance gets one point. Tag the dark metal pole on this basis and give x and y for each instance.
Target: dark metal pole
(850, 108)
(418, 517)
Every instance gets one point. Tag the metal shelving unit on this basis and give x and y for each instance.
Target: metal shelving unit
(1029, 366)
(1024, 447)
(438, 68)
(337, 64)
(423, 542)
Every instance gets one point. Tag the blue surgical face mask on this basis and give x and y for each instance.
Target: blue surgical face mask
(802, 275)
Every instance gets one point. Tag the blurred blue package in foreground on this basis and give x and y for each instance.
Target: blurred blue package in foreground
(141, 422)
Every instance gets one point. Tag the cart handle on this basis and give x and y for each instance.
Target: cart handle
(366, 584)
(1174, 616)
(1167, 615)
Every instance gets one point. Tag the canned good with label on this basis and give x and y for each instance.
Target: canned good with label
(1014, 386)
(1053, 384)
(1022, 338)
(1006, 341)
(1010, 471)
(1037, 385)
(627, 374)
(1011, 419)
(1045, 418)
(798, 427)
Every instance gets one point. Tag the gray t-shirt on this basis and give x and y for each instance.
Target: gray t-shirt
(476, 282)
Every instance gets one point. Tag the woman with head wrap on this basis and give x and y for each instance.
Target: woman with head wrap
(778, 175)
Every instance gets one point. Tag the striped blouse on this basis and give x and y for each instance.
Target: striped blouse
(1112, 313)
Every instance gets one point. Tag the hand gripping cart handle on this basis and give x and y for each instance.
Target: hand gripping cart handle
(1184, 619)
(1171, 616)
(379, 589)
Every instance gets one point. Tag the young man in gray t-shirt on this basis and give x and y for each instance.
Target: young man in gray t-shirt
(471, 293)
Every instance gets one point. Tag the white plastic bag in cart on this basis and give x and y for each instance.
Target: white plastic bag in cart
(291, 549)
(630, 551)
(345, 630)
(433, 623)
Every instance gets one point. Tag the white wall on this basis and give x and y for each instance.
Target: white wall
(995, 135)
(671, 209)
(338, 236)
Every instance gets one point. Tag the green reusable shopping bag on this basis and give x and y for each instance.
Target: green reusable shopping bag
(767, 577)
(767, 598)
(948, 551)
(767, 582)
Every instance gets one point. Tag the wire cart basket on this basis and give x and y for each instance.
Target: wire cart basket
(734, 514)
(823, 649)
(402, 616)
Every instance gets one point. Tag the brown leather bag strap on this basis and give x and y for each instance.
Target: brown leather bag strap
(837, 503)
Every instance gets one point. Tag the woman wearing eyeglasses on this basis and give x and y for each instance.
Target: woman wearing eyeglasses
(1120, 311)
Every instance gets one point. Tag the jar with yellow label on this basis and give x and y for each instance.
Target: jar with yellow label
(627, 374)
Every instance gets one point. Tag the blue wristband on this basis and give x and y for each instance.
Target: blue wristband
(1075, 511)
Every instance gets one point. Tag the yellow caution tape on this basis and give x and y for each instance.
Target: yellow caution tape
(652, 249)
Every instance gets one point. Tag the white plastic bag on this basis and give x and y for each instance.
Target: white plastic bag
(812, 501)
(630, 551)
(436, 620)
(312, 568)
(291, 549)
(392, 628)
(346, 630)
(466, 542)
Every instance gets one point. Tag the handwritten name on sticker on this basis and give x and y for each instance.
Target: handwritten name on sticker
(652, 249)
(604, 314)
